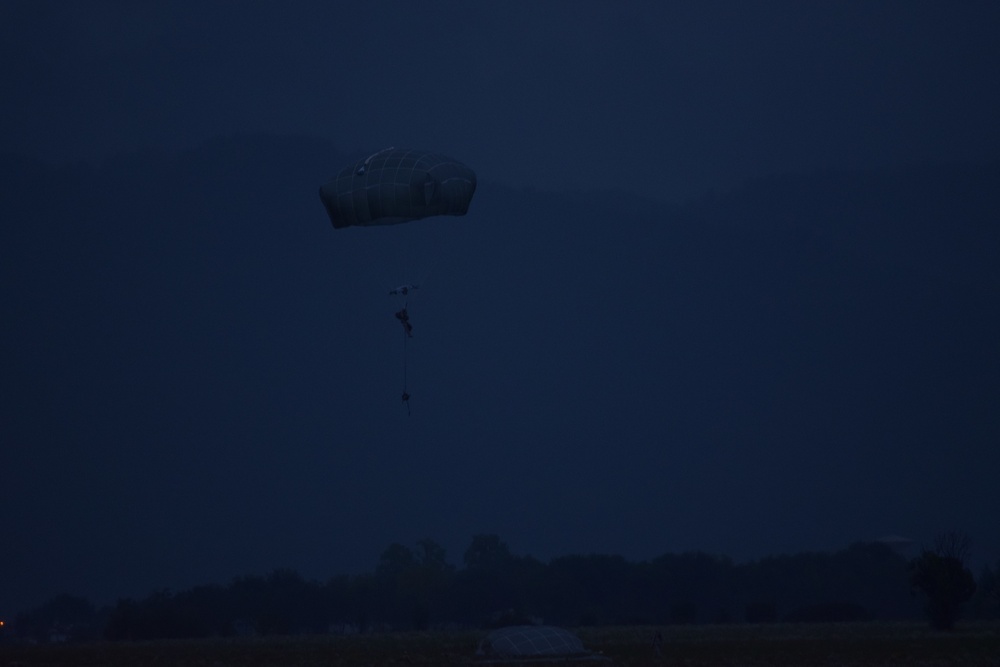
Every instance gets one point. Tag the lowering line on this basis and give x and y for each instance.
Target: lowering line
(406, 395)
(404, 319)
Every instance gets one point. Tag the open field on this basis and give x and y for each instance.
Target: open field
(833, 645)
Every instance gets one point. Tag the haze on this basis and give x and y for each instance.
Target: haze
(728, 283)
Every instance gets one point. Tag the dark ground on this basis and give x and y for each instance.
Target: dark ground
(843, 645)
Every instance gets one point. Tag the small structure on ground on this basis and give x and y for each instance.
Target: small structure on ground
(530, 643)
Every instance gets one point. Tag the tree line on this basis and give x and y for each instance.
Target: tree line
(415, 588)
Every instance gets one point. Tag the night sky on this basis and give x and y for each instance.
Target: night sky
(728, 283)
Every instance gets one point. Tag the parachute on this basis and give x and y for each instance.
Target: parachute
(398, 185)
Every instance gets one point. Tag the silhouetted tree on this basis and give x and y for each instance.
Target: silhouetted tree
(586, 590)
(942, 576)
(985, 602)
(395, 561)
(828, 612)
(416, 588)
(493, 583)
(210, 606)
(65, 615)
(159, 616)
(687, 582)
(760, 612)
(487, 551)
(684, 612)
(411, 584)
(433, 580)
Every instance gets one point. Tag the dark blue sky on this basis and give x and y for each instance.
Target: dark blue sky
(201, 376)
(673, 99)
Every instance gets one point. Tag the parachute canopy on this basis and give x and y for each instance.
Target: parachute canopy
(398, 185)
(524, 641)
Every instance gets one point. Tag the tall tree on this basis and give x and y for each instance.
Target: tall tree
(942, 576)
(487, 551)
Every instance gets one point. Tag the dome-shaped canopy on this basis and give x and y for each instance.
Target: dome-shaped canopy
(398, 185)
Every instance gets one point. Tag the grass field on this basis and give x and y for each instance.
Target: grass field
(833, 645)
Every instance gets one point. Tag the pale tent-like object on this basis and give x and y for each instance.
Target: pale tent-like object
(531, 641)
